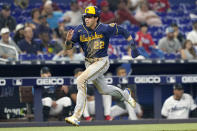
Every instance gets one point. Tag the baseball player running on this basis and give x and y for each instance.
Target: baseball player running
(93, 37)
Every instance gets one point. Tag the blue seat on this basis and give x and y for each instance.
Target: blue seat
(167, 21)
(112, 56)
(184, 21)
(170, 56)
(190, 7)
(161, 14)
(175, 7)
(28, 57)
(48, 56)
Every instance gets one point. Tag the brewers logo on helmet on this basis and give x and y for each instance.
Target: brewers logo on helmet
(91, 11)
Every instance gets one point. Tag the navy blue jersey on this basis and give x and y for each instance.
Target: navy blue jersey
(95, 42)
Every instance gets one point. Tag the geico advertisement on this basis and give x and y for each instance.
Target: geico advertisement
(147, 79)
(2, 82)
(50, 81)
(189, 79)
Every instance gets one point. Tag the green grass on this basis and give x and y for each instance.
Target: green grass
(147, 127)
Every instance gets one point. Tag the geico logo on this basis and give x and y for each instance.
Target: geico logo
(109, 80)
(189, 79)
(151, 79)
(123, 81)
(50, 81)
(2, 82)
(73, 81)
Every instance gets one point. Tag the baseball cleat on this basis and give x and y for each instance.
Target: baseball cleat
(72, 120)
(129, 99)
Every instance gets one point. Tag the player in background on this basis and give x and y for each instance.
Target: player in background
(179, 105)
(124, 108)
(54, 99)
(94, 37)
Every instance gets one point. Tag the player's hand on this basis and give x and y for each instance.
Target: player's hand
(65, 89)
(69, 35)
(54, 104)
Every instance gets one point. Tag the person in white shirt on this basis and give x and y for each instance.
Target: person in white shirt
(179, 105)
(73, 17)
(193, 35)
(7, 45)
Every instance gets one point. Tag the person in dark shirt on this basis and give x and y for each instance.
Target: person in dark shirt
(49, 46)
(35, 15)
(178, 34)
(5, 19)
(28, 45)
(19, 33)
(55, 100)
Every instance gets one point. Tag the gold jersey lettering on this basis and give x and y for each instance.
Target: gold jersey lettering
(86, 39)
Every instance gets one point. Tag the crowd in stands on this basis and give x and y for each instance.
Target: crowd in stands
(38, 32)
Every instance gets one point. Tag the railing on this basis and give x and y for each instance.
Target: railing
(12, 48)
(38, 82)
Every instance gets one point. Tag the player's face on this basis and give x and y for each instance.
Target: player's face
(90, 21)
(122, 73)
(46, 74)
(178, 93)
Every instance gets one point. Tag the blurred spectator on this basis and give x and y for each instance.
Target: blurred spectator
(169, 44)
(54, 99)
(106, 16)
(44, 26)
(178, 34)
(5, 52)
(123, 107)
(193, 34)
(59, 31)
(84, 3)
(68, 55)
(113, 5)
(74, 16)
(19, 33)
(28, 45)
(144, 39)
(47, 45)
(52, 16)
(144, 15)
(188, 51)
(134, 5)
(5, 19)
(54, 5)
(159, 5)
(123, 14)
(35, 15)
(179, 105)
(22, 3)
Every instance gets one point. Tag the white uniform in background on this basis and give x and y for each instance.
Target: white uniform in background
(90, 106)
(61, 103)
(178, 109)
(118, 111)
